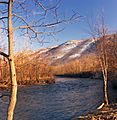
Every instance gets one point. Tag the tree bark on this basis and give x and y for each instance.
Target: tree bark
(13, 97)
(105, 90)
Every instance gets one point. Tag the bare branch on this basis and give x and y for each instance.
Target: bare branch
(56, 6)
(3, 18)
(20, 17)
(53, 24)
(21, 27)
(4, 28)
(27, 25)
(42, 6)
(4, 54)
(3, 2)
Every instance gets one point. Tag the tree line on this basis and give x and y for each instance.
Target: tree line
(29, 71)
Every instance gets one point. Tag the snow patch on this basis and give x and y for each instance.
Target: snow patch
(85, 47)
(58, 57)
(68, 48)
(75, 55)
(42, 51)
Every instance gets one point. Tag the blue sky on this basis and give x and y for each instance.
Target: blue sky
(89, 9)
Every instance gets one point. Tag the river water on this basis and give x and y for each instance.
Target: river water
(67, 98)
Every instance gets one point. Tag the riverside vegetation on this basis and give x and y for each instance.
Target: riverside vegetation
(28, 71)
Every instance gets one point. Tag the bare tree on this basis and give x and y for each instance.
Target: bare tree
(99, 32)
(19, 14)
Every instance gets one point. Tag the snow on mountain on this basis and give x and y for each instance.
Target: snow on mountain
(70, 45)
(84, 48)
(59, 51)
(62, 53)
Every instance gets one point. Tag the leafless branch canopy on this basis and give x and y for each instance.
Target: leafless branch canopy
(33, 21)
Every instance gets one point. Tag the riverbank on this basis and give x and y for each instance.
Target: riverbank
(89, 74)
(106, 113)
(42, 81)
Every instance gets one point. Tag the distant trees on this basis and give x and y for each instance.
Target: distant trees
(28, 70)
(4, 73)
(88, 63)
(32, 71)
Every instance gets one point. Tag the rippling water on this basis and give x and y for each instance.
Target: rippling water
(67, 98)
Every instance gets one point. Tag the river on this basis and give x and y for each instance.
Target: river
(67, 98)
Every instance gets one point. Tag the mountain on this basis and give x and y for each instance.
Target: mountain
(65, 52)
(68, 51)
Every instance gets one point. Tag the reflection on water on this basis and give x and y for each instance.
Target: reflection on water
(67, 98)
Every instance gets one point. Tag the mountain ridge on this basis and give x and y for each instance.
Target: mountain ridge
(64, 52)
(67, 51)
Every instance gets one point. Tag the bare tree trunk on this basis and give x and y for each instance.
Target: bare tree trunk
(13, 97)
(105, 89)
